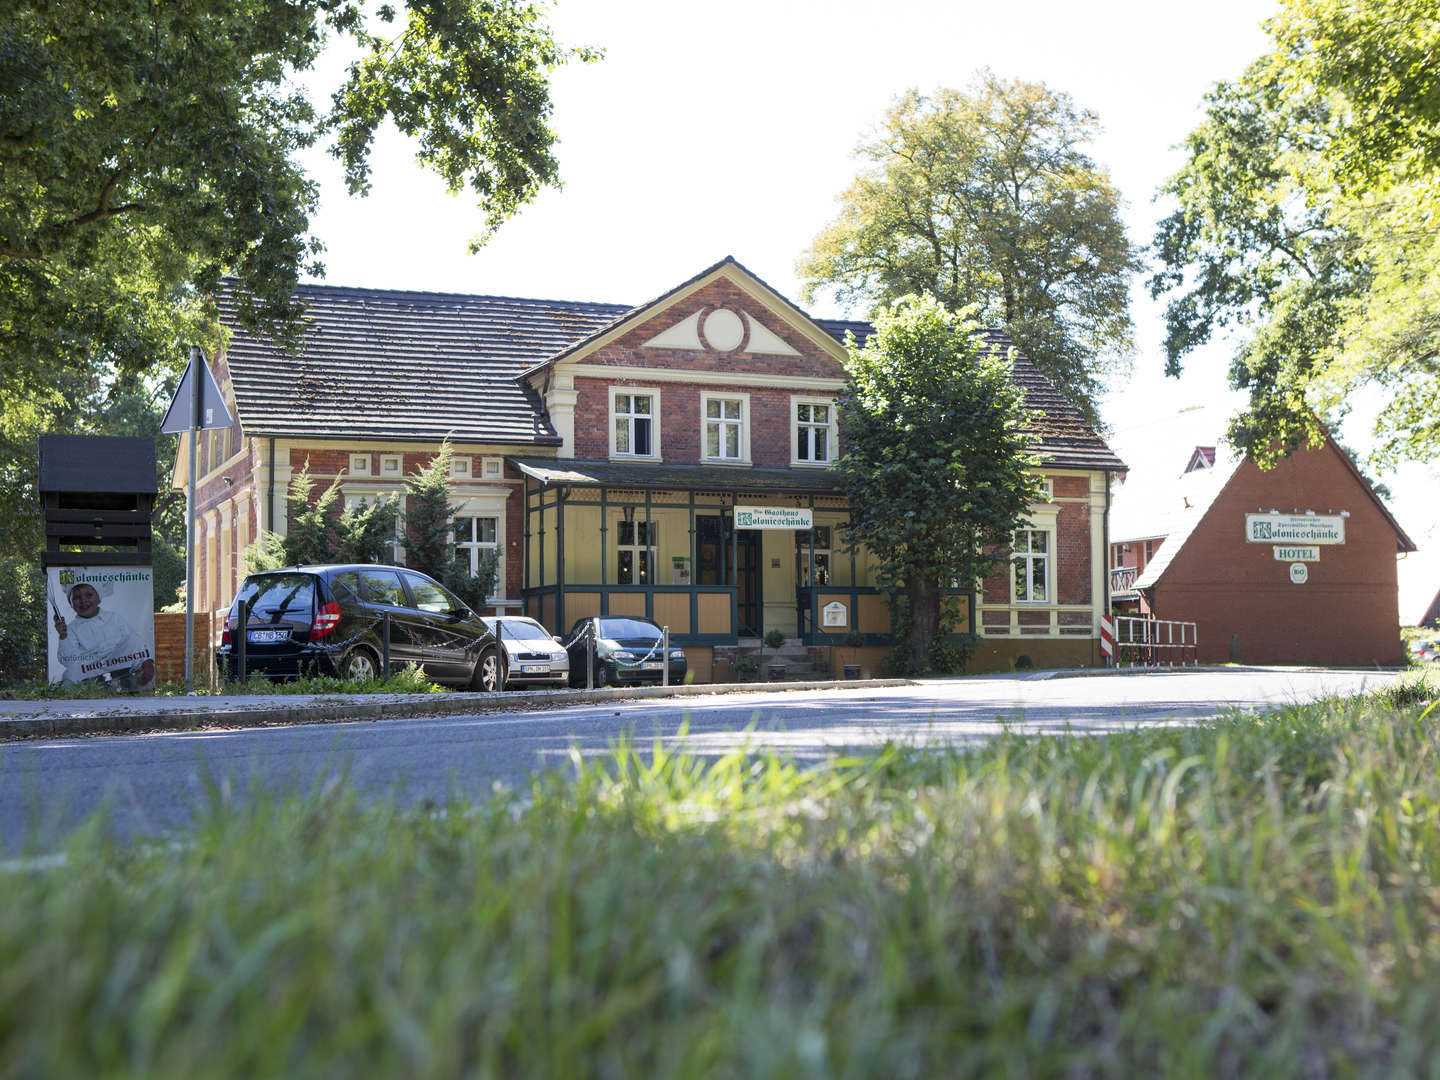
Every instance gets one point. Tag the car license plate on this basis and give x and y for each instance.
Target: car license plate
(533, 669)
(653, 665)
(267, 637)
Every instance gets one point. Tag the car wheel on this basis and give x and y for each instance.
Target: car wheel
(487, 672)
(601, 679)
(360, 666)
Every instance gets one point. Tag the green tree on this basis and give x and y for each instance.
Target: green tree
(366, 531)
(430, 532)
(936, 463)
(312, 532)
(986, 197)
(147, 149)
(1305, 217)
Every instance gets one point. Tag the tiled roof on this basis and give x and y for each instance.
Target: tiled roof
(379, 363)
(1063, 437)
(669, 476)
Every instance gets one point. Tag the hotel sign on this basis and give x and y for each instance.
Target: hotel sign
(1294, 529)
(773, 517)
(1297, 554)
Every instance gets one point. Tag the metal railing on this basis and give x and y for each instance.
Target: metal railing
(1141, 642)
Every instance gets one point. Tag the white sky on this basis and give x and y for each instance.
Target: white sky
(729, 130)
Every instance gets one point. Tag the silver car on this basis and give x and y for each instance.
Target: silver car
(532, 655)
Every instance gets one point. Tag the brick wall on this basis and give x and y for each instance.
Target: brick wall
(170, 646)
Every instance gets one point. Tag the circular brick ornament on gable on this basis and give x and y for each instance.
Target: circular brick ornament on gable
(723, 330)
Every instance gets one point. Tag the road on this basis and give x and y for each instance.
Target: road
(152, 783)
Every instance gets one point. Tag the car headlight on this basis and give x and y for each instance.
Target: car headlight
(622, 654)
(677, 654)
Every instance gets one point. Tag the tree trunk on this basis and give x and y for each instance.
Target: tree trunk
(924, 620)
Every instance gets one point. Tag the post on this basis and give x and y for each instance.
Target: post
(242, 641)
(384, 645)
(590, 655)
(190, 521)
(501, 657)
(665, 644)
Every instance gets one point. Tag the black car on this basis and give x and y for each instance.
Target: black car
(627, 650)
(329, 620)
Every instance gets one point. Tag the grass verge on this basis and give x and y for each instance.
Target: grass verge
(1254, 896)
(409, 680)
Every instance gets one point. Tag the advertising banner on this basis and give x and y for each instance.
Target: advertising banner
(102, 625)
(773, 517)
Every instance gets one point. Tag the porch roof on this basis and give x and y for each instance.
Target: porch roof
(625, 474)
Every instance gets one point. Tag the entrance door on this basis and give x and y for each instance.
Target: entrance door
(713, 537)
(748, 599)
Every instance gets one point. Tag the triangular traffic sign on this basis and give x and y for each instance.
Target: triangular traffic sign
(184, 409)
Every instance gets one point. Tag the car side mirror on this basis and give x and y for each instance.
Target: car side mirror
(558, 639)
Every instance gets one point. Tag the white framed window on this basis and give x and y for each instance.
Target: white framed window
(634, 422)
(1030, 562)
(725, 427)
(392, 466)
(812, 428)
(359, 464)
(477, 535)
(635, 543)
(492, 468)
(460, 467)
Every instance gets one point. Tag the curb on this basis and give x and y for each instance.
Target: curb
(346, 710)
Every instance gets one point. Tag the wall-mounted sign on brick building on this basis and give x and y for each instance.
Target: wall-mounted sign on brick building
(1297, 554)
(1294, 528)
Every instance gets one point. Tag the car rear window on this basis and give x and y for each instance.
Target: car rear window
(521, 630)
(273, 595)
(627, 628)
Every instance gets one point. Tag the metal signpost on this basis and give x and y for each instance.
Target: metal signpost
(198, 405)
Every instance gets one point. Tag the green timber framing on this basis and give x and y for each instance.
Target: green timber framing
(561, 601)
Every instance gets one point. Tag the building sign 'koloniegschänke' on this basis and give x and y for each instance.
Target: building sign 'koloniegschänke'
(1294, 529)
(773, 517)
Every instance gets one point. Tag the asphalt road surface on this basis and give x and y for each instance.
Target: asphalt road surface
(151, 784)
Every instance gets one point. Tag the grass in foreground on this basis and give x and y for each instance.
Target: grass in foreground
(1256, 896)
(409, 680)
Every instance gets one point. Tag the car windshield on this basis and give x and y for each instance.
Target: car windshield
(520, 630)
(276, 594)
(628, 628)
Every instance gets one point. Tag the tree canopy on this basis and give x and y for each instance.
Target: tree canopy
(1306, 216)
(146, 150)
(986, 197)
(936, 462)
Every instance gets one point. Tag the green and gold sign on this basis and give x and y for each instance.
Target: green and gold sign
(1294, 529)
(773, 517)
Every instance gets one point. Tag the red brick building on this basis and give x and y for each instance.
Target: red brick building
(669, 460)
(1293, 565)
